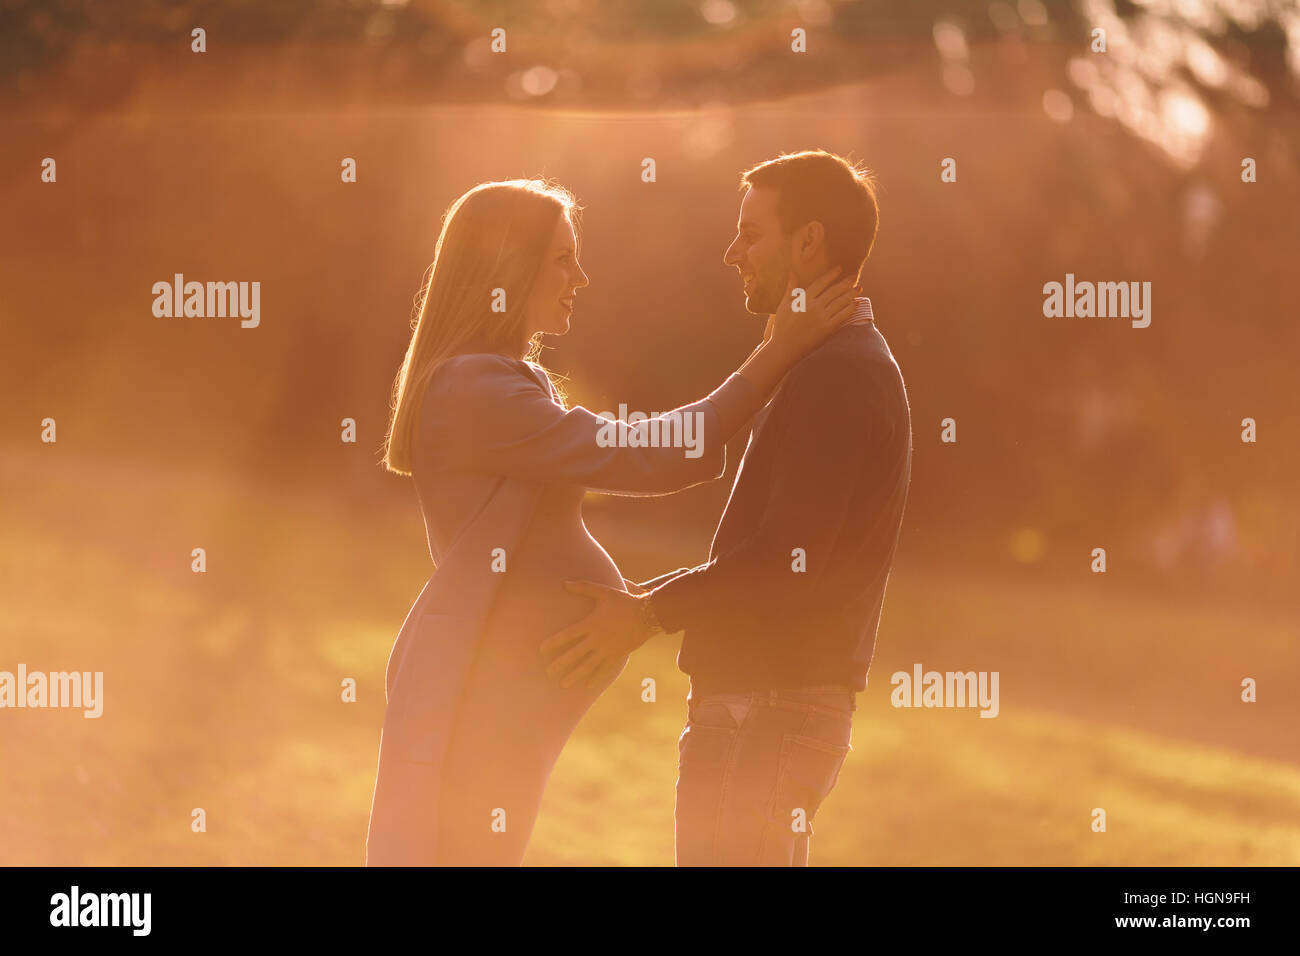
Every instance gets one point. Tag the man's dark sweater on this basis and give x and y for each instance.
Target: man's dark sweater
(826, 472)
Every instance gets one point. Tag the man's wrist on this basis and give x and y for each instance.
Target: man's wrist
(649, 616)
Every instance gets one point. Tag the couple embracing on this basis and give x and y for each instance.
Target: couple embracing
(493, 669)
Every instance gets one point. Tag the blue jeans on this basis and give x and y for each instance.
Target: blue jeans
(752, 770)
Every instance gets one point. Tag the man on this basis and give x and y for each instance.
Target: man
(780, 624)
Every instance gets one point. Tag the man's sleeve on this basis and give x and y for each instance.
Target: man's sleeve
(826, 431)
(663, 579)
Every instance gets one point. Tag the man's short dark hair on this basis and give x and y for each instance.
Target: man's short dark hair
(815, 185)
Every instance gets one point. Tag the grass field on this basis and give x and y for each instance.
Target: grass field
(222, 691)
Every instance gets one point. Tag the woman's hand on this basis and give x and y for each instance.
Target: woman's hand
(634, 588)
(790, 335)
(827, 307)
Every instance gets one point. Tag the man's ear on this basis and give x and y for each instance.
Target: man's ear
(810, 240)
(808, 251)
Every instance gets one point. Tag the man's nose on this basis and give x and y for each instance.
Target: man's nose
(730, 257)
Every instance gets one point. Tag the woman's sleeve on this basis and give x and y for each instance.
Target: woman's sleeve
(486, 413)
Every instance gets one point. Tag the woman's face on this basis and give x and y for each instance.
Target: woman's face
(551, 301)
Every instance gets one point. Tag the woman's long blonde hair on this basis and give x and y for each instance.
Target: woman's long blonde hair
(493, 237)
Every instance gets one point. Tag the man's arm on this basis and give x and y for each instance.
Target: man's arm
(826, 429)
(826, 434)
(664, 578)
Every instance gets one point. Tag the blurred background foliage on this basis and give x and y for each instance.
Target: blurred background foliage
(1117, 165)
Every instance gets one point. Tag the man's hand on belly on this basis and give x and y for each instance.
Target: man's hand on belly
(597, 645)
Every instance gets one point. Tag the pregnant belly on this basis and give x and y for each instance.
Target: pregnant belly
(513, 720)
(532, 604)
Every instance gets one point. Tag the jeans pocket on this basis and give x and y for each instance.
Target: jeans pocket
(712, 725)
(718, 713)
(808, 770)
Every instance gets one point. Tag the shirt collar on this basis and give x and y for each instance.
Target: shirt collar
(862, 315)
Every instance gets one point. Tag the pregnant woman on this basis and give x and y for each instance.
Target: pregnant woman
(473, 725)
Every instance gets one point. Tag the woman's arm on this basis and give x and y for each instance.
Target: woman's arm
(485, 412)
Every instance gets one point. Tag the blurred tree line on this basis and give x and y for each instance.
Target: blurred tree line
(1072, 433)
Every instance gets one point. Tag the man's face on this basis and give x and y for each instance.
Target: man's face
(761, 251)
